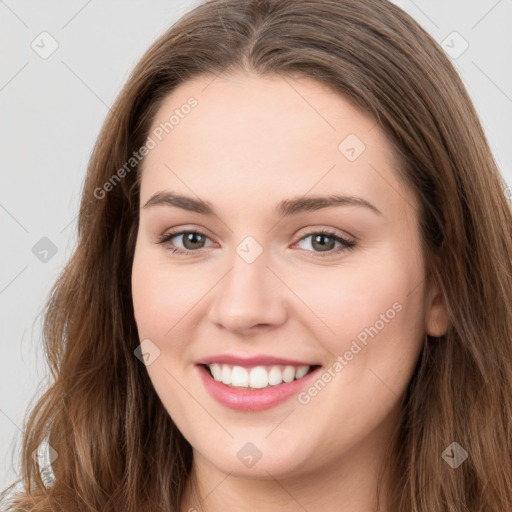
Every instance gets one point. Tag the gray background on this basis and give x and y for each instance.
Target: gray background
(51, 110)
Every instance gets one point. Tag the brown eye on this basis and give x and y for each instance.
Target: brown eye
(327, 243)
(191, 241)
(323, 242)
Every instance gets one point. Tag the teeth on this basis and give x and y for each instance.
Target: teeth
(216, 371)
(288, 373)
(275, 376)
(225, 374)
(301, 371)
(257, 377)
(239, 377)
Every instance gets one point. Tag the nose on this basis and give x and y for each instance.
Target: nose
(249, 298)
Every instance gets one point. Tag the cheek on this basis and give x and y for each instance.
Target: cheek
(149, 299)
(161, 300)
(351, 299)
(375, 314)
(372, 316)
(161, 297)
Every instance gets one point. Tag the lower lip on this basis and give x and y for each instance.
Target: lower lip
(253, 400)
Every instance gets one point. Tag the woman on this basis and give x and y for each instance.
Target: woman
(292, 285)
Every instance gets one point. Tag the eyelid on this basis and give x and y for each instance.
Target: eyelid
(314, 230)
(165, 238)
(346, 243)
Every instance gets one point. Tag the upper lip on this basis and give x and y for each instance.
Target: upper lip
(257, 360)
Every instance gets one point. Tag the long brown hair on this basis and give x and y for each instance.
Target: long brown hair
(117, 447)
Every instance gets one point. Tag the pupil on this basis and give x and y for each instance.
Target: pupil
(193, 239)
(323, 246)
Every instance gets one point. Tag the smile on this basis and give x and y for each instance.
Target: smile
(254, 388)
(257, 377)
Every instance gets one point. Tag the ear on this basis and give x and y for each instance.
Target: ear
(437, 319)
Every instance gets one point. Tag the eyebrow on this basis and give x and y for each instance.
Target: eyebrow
(285, 208)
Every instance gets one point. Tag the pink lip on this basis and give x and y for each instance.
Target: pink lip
(251, 361)
(256, 399)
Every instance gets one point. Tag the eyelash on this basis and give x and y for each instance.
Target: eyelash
(346, 244)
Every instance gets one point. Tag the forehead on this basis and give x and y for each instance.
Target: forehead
(260, 136)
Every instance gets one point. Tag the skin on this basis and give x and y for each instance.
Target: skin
(248, 144)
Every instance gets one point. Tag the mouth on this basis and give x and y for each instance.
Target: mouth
(257, 377)
(255, 388)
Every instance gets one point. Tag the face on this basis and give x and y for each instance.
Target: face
(260, 274)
